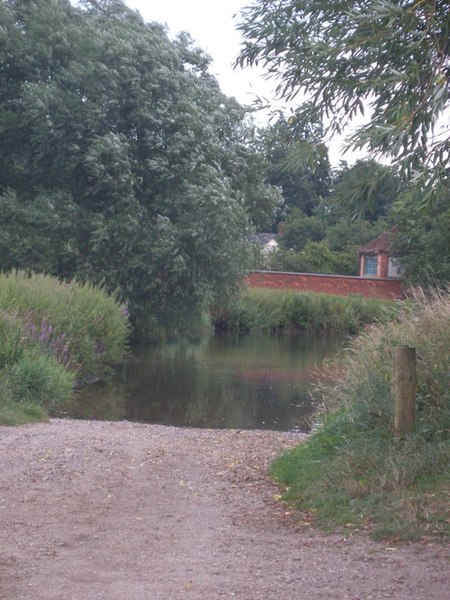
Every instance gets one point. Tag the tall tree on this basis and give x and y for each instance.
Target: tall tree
(299, 229)
(366, 190)
(297, 161)
(391, 59)
(422, 242)
(119, 158)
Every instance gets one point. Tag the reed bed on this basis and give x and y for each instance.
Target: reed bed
(354, 471)
(54, 336)
(266, 310)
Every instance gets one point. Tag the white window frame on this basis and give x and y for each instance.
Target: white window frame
(370, 265)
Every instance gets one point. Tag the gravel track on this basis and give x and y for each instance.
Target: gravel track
(125, 511)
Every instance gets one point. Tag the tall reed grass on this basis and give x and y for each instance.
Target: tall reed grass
(53, 336)
(354, 470)
(32, 382)
(263, 310)
(79, 324)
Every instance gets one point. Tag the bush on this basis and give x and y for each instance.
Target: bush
(53, 335)
(259, 309)
(11, 339)
(365, 387)
(354, 470)
(80, 325)
(40, 379)
(17, 413)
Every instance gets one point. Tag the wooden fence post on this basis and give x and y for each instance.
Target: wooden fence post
(405, 390)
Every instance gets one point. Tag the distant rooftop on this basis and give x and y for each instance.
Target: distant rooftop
(380, 244)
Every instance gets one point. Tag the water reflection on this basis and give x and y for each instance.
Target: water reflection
(228, 381)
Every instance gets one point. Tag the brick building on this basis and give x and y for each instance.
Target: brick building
(376, 260)
(379, 275)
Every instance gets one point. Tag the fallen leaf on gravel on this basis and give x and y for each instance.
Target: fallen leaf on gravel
(187, 587)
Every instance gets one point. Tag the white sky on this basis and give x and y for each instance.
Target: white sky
(212, 26)
(211, 23)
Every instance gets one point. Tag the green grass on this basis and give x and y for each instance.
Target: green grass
(19, 413)
(82, 325)
(14, 411)
(354, 471)
(264, 310)
(53, 336)
(40, 379)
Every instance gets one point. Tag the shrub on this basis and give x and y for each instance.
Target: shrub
(52, 334)
(11, 339)
(364, 387)
(17, 413)
(259, 309)
(80, 325)
(30, 382)
(40, 379)
(354, 469)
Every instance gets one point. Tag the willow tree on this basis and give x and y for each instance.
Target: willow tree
(388, 59)
(121, 159)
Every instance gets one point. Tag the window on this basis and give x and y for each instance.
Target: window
(370, 265)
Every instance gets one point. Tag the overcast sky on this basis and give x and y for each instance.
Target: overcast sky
(212, 25)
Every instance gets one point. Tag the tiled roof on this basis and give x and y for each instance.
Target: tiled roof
(380, 244)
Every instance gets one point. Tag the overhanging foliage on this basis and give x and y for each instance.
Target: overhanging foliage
(121, 160)
(389, 58)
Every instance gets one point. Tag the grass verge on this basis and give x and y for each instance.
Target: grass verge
(19, 413)
(53, 336)
(79, 324)
(262, 310)
(354, 472)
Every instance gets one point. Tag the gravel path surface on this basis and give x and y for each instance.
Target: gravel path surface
(124, 511)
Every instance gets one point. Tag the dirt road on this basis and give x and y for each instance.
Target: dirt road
(122, 511)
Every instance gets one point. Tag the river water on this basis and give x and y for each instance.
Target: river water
(226, 381)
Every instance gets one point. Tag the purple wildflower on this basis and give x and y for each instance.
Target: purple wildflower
(50, 340)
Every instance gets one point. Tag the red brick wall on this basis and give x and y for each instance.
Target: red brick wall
(383, 264)
(338, 285)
